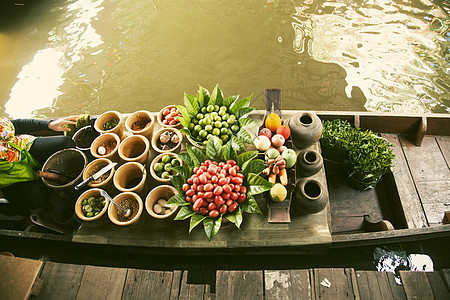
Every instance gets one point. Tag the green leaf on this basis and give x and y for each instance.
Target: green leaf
(216, 96)
(228, 152)
(243, 112)
(247, 122)
(250, 206)
(205, 94)
(184, 171)
(230, 100)
(195, 220)
(191, 105)
(244, 136)
(177, 200)
(213, 148)
(178, 182)
(254, 166)
(184, 156)
(237, 144)
(184, 113)
(244, 102)
(200, 99)
(245, 157)
(184, 130)
(196, 155)
(235, 217)
(257, 184)
(184, 213)
(185, 123)
(212, 226)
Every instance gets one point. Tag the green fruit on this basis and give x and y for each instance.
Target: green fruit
(165, 175)
(218, 124)
(208, 128)
(158, 167)
(204, 110)
(200, 116)
(225, 117)
(235, 128)
(216, 107)
(197, 128)
(166, 158)
(222, 112)
(203, 133)
(223, 108)
(216, 131)
(214, 115)
(223, 130)
(167, 166)
(278, 192)
(272, 153)
(224, 138)
(210, 108)
(225, 124)
(218, 118)
(175, 162)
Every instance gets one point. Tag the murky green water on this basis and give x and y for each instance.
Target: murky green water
(70, 57)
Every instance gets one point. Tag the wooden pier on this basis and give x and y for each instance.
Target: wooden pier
(33, 279)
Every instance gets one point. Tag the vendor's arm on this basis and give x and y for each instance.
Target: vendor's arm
(34, 125)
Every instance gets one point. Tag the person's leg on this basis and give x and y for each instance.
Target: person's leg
(28, 194)
(44, 147)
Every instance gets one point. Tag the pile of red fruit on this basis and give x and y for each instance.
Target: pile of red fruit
(215, 188)
(169, 116)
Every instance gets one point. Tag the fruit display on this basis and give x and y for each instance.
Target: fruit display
(271, 140)
(210, 115)
(217, 184)
(92, 206)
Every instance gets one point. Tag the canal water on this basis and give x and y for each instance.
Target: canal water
(62, 58)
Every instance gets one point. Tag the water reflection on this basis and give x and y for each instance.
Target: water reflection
(384, 55)
(394, 51)
(40, 81)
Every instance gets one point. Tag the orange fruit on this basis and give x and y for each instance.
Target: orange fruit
(273, 121)
(284, 130)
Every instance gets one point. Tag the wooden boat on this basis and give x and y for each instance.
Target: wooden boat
(411, 203)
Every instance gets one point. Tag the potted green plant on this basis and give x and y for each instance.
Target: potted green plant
(333, 142)
(216, 184)
(370, 157)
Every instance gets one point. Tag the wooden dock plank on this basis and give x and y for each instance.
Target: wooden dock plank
(175, 286)
(410, 201)
(378, 285)
(343, 284)
(416, 285)
(239, 285)
(444, 145)
(146, 284)
(191, 291)
(440, 291)
(102, 283)
(397, 290)
(61, 281)
(287, 284)
(431, 174)
(445, 273)
(17, 277)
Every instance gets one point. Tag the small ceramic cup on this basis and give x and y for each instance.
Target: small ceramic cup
(164, 192)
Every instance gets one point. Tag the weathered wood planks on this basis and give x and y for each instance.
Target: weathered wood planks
(343, 284)
(431, 175)
(287, 284)
(102, 283)
(61, 281)
(378, 285)
(146, 284)
(239, 285)
(17, 277)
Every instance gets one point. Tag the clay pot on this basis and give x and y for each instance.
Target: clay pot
(144, 121)
(96, 165)
(68, 163)
(95, 192)
(108, 116)
(159, 118)
(160, 192)
(112, 209)
(306, 129)
(134, 148)
(310, 196)
(105, 139)
(130, 177)
(156, 160)
(309, 162)
(156, 136)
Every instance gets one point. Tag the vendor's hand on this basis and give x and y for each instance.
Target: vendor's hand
(57, 125)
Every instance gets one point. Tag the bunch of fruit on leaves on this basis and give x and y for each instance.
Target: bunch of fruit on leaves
(217, 184)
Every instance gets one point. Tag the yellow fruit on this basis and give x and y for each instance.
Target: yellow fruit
(273, 121)
(278, 192)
